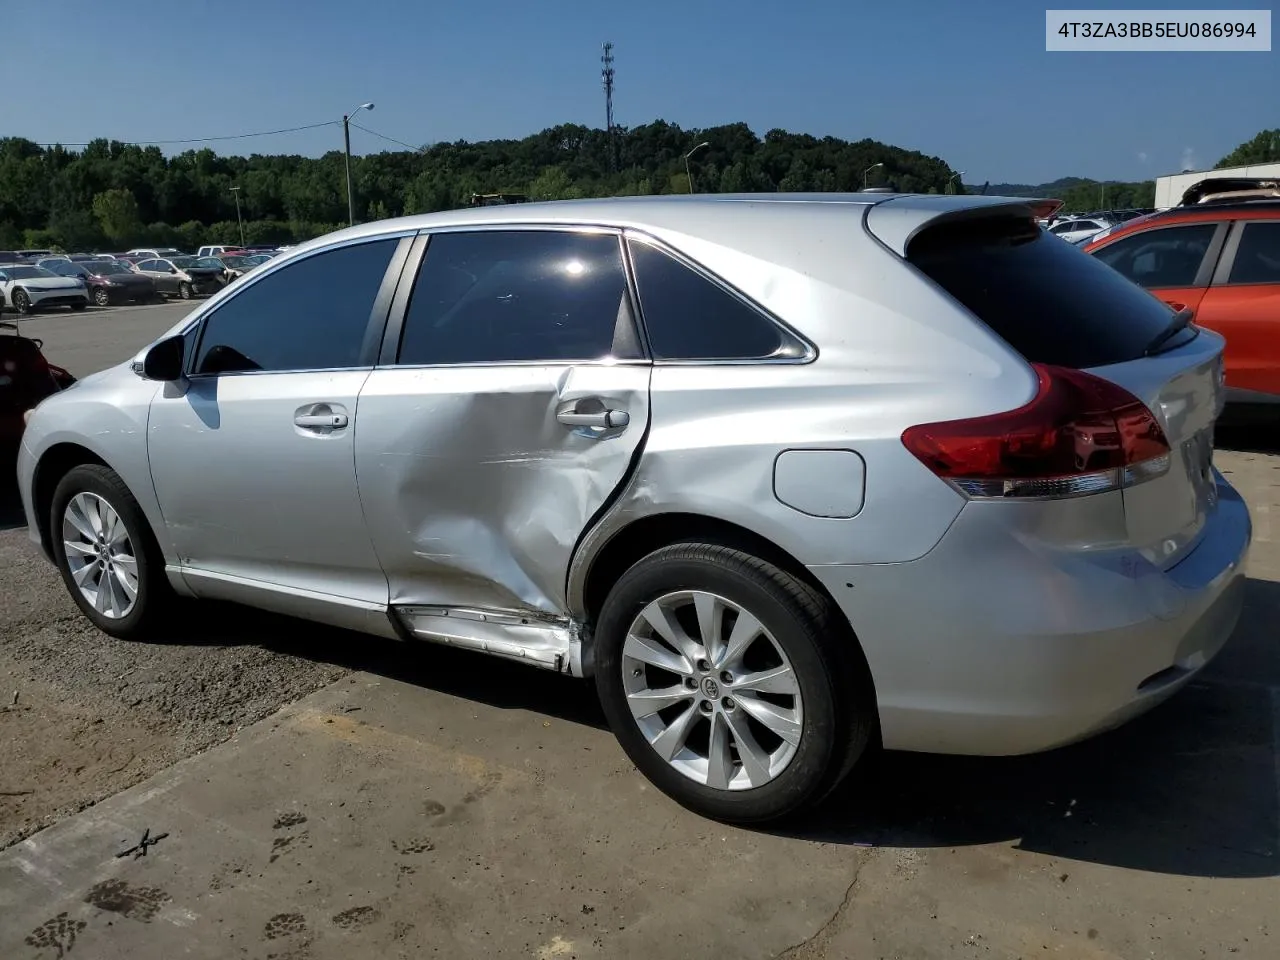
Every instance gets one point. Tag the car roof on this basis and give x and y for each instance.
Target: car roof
(717, 218)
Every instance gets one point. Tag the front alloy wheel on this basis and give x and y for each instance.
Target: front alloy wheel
(101, 557)
(105, 551)
(712, 691)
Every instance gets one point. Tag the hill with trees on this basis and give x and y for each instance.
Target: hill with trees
(116, 195)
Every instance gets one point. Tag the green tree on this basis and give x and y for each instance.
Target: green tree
(117, 212)
(1264, 148)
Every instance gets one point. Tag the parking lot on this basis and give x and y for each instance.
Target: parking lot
(319, 794)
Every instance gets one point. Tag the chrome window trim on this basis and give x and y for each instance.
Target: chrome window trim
(810, 350)
(400, 309)
(203, 313)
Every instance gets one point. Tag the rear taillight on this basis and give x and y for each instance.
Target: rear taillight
(1079, 435)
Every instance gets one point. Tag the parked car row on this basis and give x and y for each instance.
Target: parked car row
(138, 276)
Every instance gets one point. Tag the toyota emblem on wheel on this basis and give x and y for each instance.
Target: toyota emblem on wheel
(710, 689)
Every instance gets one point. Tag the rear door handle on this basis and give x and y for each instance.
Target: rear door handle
(603, 419)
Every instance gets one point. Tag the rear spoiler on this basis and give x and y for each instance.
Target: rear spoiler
(1225, 189)
(896, 222)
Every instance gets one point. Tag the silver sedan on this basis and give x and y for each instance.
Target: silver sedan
(788, 476)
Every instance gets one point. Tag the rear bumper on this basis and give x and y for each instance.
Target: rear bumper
(993, 644)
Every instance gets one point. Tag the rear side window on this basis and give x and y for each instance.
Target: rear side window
(689, 317)
(1167, 257)
(1258, 256)
(547, 296)
(1050, 301)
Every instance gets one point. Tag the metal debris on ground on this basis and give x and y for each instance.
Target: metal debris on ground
(140, 848)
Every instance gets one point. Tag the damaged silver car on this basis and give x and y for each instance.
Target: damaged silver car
(788, 476)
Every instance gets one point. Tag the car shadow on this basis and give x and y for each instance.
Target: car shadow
(11, 515)
(1248, 431)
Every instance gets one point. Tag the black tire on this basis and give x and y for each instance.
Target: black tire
(835, 685)
(153, 592)
(101, 297)
(185, 291)
(22, 302)
(77, 307)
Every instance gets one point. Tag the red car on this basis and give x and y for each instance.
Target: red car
(1221, 260)
(26, 378)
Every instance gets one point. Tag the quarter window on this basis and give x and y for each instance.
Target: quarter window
(1168, 257)
(520, 295)
(689, 317)
(310, 315)
(1258, 255)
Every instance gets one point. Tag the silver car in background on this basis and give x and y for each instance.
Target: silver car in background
(787, 475)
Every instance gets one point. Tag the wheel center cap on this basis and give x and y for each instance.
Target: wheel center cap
(710, 689)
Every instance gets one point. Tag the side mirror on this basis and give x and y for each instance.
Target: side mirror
(163, 361)
(173, 269)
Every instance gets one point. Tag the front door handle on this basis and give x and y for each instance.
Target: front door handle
(315, 420)
(603, 419)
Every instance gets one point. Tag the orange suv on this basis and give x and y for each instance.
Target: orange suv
(1221, 259)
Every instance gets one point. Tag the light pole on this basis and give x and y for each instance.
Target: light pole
(239, 220)
(951, 179)
(689, 172)
(867, 171)
(346, 144)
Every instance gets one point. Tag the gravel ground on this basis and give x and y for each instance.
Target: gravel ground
(85, 716)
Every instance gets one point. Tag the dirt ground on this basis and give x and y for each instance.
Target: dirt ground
(84, 717)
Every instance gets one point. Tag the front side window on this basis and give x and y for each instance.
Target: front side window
(1167, 257)
(310, 315)
(1258, 256)
(519, 296)
(690, 317)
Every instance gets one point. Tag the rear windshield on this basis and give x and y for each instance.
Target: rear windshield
(1049, 300)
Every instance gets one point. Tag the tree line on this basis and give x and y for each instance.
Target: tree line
(112, 194)
(117, 195)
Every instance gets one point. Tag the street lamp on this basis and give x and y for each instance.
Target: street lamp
(867, 171)
(346, 143)
(239, 220)
(688, 172)
(952, 178)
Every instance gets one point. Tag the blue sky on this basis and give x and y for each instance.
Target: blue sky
(970, 83)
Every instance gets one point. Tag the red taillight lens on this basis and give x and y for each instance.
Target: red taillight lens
(1078, 435)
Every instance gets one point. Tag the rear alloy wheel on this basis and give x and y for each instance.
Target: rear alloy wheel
(725, 680)
(101, 297)
(105, 552)
(21, 301)
(185, 291)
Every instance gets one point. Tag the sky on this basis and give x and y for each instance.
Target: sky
(969, 83)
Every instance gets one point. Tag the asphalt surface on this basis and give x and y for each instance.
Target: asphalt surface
(348, 797)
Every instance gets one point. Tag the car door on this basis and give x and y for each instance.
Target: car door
(1174, 262)
(1243, 304)
(510, 402)
(253, 462)
(152, 269)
